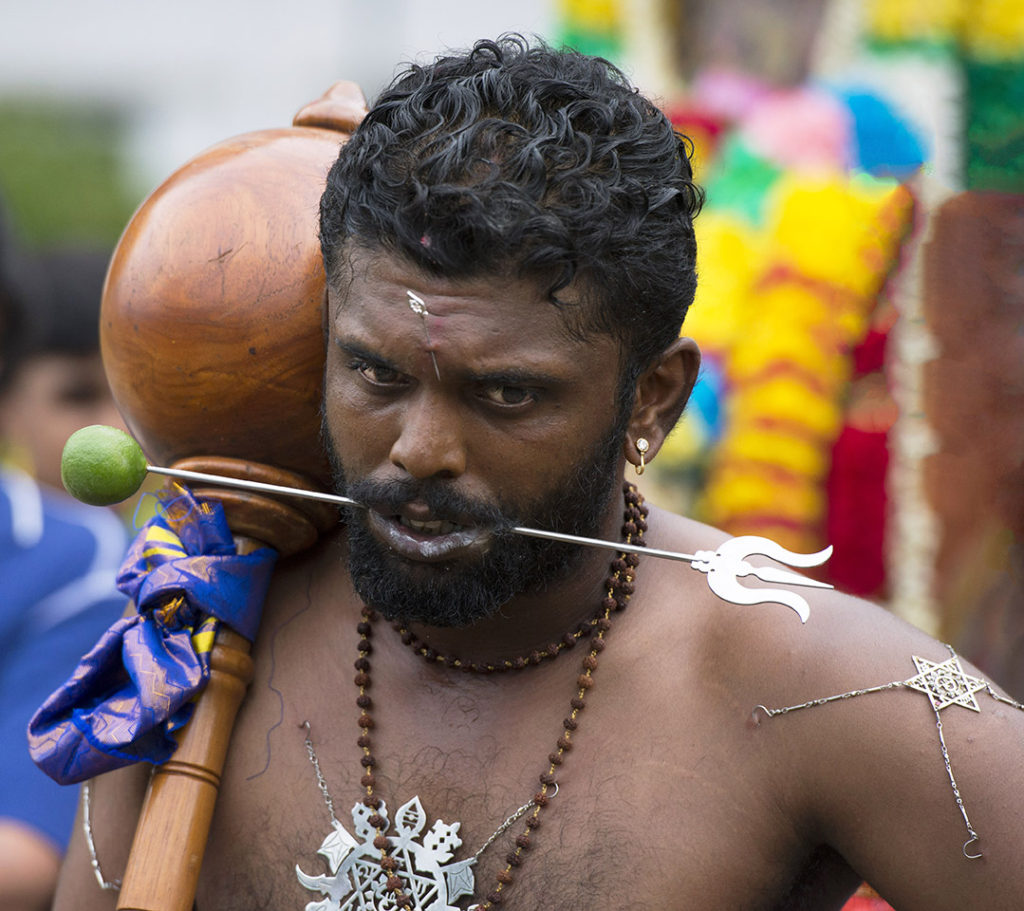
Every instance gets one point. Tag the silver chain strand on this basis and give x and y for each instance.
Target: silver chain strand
(908, 684)
(115, 885)
(956, 791)
(785, 710)
(322, 785)
(1005, 699)
(107, 886)
(525, 808)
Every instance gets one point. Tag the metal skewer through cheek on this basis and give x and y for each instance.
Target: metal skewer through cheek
(222, 481)
(723, 566)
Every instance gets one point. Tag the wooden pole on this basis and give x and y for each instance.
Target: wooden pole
(167, 852)
(170, 839)
(212, 339)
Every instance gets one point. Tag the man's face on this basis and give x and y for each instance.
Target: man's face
(50, 397)
(521, 429)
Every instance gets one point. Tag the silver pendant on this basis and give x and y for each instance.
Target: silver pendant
(357, 882)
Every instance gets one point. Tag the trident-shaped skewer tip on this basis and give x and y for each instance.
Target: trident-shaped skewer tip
(725, 565)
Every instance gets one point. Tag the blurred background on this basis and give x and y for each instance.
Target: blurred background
(100, 100)
(861, 300)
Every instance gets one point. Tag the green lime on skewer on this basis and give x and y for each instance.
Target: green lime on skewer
(102, 465)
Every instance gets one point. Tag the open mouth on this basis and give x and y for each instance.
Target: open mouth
(428, 540)
(431, 528)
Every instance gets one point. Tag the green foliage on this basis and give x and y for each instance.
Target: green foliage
(995, 126)
(61, 177)
(605, 44)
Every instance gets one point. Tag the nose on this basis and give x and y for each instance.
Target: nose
(430, 443)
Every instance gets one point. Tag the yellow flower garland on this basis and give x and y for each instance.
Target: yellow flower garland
(793, 300)
(987, 29)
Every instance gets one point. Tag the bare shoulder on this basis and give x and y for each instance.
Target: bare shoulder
(883, 743)
(843, 642)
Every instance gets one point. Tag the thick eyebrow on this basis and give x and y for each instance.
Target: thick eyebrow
(511, 376)
(516, 377)
(354, 349)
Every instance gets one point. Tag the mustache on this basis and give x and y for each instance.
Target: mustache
(443, 501)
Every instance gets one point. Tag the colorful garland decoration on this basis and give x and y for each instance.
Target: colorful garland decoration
(794, 247)
(986, 37)
(791, 269)
(592, 27)
(808, 291)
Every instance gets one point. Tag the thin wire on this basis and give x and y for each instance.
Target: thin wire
(1004, 699)
(525, 808)
(956, 791)
(785, 710)
(321, 783)
(108, 886)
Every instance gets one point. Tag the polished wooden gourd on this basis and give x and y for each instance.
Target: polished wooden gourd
(212, 339)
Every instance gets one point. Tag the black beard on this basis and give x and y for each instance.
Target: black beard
(460, 593)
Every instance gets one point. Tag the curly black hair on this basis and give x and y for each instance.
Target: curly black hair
(534, 162)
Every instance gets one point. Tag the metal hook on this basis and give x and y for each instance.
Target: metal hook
(971, 841)
(419, 307)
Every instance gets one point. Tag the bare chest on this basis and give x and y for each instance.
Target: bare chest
(642, 816)
(665, 799)
(600, 852)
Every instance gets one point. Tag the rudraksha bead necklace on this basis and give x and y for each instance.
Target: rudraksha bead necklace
(619, 585)
(502, 664)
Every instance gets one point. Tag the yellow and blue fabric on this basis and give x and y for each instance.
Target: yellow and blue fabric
(136, 687)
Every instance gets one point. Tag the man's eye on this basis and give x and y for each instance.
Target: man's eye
(377, 374)
(509, 395)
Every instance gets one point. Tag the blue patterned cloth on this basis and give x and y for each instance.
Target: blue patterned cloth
(136, 687)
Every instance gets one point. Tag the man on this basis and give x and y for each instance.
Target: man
(57, 556)
(510, 254)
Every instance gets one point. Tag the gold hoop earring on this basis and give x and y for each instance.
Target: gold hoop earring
(641, 446)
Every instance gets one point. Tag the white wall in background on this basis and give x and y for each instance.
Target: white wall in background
(189, 73)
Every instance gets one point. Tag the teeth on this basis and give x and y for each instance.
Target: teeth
(435, 527)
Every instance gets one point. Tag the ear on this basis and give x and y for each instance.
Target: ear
(662, 392)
